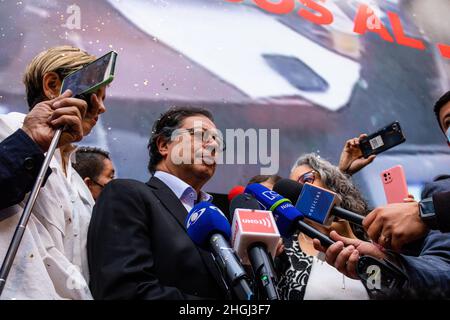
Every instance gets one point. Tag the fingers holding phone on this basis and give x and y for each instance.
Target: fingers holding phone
(352, 159)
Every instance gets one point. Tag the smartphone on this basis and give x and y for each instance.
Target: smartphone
(381, 278)
(91, 77)
(394, 184)
(382, 140)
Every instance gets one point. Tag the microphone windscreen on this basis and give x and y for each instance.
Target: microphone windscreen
(235, 191)
(284, 212)
(203, 221)
(289, 189)
(243, 201)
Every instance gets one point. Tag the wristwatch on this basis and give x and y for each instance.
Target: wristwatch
(427, 213)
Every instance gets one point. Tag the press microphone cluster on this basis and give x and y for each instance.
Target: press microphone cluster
(318, 204)
(209, 229)
(255, 239)
(289, 219)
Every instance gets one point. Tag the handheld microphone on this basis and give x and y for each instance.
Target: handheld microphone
(209, 229)
(287, 217)
(369, 269)
(317, 204)
(235, 191)
(255, 238)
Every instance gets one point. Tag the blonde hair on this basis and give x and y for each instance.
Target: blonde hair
(62, 59)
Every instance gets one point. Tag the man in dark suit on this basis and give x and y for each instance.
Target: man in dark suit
(138, 247)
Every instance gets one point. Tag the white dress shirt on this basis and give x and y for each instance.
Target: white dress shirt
(187, 195)
(51, 262)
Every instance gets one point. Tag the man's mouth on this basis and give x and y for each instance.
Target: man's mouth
(208, 160)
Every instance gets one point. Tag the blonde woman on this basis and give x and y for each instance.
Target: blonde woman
(51, 262)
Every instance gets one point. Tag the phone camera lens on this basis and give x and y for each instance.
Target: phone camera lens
(385, 175)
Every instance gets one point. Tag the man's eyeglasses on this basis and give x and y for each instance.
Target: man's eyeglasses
(309, 177)
(206, 136)
(102, 185)
(99, 184)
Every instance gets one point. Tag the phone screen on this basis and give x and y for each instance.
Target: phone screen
(91, 76)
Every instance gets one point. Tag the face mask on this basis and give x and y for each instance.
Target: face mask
(448, 135)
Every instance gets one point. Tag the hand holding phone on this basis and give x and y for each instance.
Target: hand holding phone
(352, 160)
(382, 140)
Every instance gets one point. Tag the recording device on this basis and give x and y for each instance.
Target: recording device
(394, 184)
(317, 204)
(237, 190)
(209, 229)
(252, 225)
(255, 238)
(287, 217)
(387, 270)
(382, 140)
(381, 278)
(91, 77)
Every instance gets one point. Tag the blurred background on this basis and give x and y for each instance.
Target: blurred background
(319, 85)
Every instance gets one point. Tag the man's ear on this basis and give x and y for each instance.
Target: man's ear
(163, 146)
(51, 85)
(88, 182)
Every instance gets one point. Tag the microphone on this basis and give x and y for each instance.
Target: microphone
(379, 277)
(254, 235)
(318, 204)
(287, 217)
(209, 229)
(237, 190)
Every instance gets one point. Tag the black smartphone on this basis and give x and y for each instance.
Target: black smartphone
(381, 278)
(382, 140)
(91, 77)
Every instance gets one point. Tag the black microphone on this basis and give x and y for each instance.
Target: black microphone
(254, 234)
(369, 269)
(315, 203)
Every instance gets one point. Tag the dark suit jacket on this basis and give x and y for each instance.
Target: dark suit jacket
(428, 268)
(439, 184)
(20, 162)
(138, 247)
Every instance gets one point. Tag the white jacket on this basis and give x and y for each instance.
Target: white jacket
(51, 262)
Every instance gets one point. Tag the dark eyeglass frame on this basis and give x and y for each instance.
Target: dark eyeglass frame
(308, 177)
(99, 184)
(221, 143)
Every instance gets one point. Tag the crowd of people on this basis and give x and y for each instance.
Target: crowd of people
(91, 236)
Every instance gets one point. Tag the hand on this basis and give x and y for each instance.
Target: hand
(41, 122)
(345, 253)
(352, 159)
(280, 248)
(395, 225)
